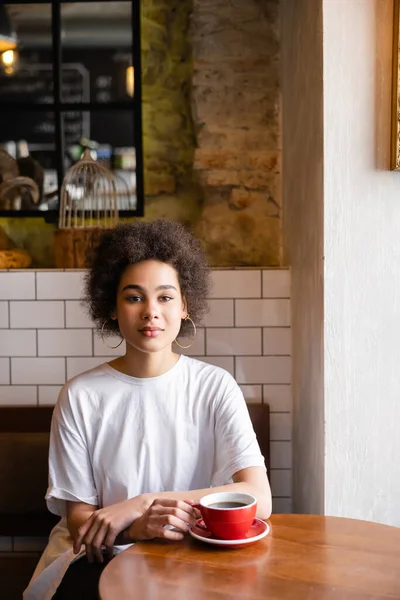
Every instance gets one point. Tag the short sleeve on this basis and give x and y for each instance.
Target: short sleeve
(235, 440)
(70, 470)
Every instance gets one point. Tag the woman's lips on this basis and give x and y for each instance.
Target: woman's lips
(150, 332)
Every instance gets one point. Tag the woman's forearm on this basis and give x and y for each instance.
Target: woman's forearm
(264, 502)
(252, 481)
(77, 514)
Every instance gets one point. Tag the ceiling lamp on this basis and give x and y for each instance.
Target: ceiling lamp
(9, 61)
(130, 81)
(8, 38)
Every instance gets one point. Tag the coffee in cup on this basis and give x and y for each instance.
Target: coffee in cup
(228, 515)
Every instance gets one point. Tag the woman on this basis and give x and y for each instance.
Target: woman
(136, 441)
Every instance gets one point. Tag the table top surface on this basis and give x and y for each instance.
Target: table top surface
(305, 557)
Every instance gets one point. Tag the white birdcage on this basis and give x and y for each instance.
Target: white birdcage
(89, 200)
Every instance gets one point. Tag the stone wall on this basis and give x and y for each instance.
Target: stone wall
(236, 107)
(211, 129)
(168, 132)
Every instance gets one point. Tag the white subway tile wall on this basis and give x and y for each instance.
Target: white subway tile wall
(46, 337)
(48, 394)
(220, 314)
(4, 372)
(196, 343)
(17, 286)
(59, 285)
(109, 346)
(236, 284)
(18, 395)
(3, 314)
(65, 342)
(18, 342)
(36, 314)
(76, 315)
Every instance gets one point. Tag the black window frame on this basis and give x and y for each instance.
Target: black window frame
(58, 106)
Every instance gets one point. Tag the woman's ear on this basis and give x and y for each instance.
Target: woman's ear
(184, 308)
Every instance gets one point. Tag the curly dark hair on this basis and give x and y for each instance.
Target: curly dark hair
(128, 244)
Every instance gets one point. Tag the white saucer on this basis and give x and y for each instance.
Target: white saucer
(258, 530)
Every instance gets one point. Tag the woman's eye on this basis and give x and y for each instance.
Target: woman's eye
(166, 298)
(133, 299)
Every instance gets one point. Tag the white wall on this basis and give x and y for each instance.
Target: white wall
(362, 265)
(342, 237)
(302, 178)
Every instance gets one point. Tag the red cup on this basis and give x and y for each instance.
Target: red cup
(228, 515)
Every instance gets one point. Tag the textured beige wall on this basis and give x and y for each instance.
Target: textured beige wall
(236, 107)
(232, 199)
(302, 117)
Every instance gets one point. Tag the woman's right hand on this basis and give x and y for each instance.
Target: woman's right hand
(163, 511)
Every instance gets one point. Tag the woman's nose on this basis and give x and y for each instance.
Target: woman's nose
(149, 311)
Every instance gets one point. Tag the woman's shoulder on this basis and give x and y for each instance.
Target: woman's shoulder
(87, 379)
(204, 371)
(84, 388)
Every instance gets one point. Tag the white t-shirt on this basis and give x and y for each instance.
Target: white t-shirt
(114, 437)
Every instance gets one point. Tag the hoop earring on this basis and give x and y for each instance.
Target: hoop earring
(187, 318)
(102, 337)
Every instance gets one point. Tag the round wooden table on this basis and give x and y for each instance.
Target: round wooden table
(305, 557)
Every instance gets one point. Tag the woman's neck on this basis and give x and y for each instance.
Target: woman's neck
(144, 365)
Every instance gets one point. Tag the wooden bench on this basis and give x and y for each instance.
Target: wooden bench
(24, 443)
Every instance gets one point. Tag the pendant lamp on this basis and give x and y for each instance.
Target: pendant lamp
(8, 38)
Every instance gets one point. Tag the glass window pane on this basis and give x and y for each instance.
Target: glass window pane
(31, 158)
(96, 51)
(111, 140)
(26, 71)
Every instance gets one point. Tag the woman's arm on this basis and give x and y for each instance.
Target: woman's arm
(94, 527)
(145, 516)
(252, 480)
(77, 514)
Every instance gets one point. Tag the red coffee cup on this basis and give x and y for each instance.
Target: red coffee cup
(228, 515)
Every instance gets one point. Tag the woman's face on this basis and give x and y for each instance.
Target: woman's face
(150, 306)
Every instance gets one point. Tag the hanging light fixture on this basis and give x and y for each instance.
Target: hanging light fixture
(8, 38)
(130, 81)
(9, 61)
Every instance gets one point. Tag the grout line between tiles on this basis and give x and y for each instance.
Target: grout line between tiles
(233, 327)
(282, 469)
(9, 313)
(248, 298)
(200, 327)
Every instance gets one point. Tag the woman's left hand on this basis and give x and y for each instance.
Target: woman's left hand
(105, 524)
